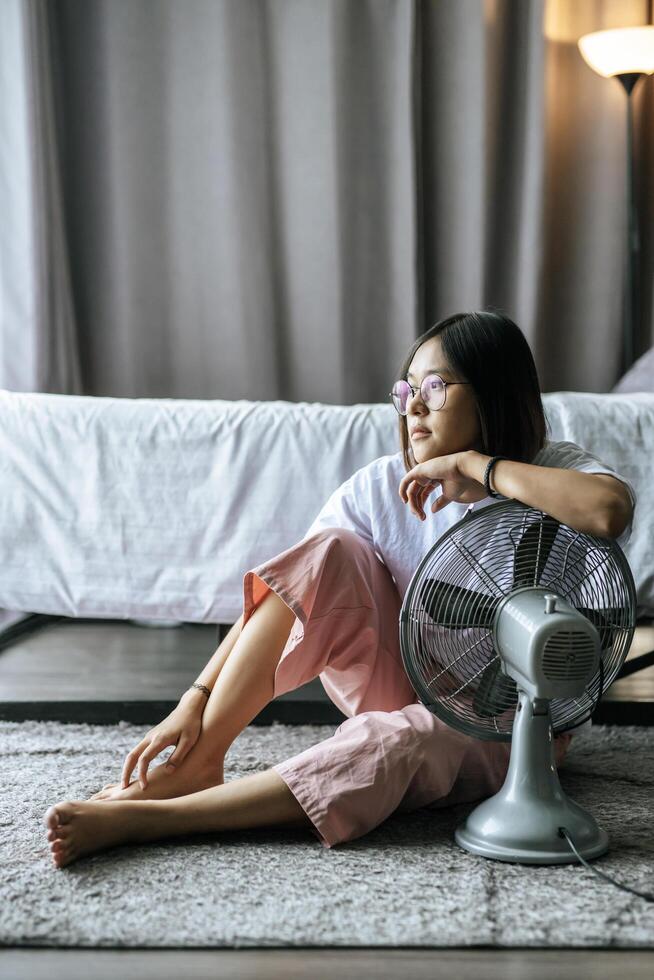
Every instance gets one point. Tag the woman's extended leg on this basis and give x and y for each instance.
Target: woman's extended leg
(340, 789)
(244, 686)
(77, 827)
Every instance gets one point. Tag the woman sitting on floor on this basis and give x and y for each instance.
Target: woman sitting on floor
(329, 607)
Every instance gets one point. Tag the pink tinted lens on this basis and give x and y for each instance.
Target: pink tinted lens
(401, 393)
(433, 391)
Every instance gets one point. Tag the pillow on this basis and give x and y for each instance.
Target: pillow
(639, 377)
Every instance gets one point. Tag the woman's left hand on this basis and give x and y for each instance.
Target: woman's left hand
(422, 480)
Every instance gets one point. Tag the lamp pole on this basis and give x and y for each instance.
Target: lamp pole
(625, 53)
(631, 311)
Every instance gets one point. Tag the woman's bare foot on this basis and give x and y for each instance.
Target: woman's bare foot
(260, 799)
(79, 827)
(165, 785)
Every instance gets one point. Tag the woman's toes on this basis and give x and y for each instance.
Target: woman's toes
(62, 830)
(59, 854)
(106, 792)
(61, 858)
(60, 813)
(51, 818)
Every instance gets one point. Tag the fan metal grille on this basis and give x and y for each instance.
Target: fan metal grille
(447, 614)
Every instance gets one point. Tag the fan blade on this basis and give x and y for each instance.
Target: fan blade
(454, 607)
(533, 551)
(496, 692)
(602, 621)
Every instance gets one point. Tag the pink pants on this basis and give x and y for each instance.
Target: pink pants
(391, 753)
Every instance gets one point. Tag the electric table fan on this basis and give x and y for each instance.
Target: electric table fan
(512, 626)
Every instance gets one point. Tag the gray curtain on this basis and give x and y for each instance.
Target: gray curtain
(39, 348)
(272, 198)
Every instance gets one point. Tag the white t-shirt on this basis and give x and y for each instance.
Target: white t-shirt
(369, 504)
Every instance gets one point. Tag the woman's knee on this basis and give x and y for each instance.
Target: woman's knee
(343, 539)
(383, 733)
(352, 554)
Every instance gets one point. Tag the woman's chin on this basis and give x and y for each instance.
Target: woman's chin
(424, 449)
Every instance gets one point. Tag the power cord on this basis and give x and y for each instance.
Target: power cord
(648, 896)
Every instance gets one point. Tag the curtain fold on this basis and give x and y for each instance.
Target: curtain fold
(39, 349)
(271, 199)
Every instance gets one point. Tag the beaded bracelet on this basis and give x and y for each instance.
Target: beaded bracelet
(201, 687)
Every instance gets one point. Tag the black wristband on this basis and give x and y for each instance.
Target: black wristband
(489, 466)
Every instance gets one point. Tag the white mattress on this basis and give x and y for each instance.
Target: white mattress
(155, 508)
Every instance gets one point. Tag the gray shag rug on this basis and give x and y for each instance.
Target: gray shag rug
(406, 883)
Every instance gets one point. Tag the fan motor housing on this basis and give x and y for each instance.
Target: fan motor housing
(548, 647)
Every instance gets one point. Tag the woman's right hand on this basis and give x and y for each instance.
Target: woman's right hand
(181, 728)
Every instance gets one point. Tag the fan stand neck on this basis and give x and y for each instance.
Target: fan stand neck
(521, 822)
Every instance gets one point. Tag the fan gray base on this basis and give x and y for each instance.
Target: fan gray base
(490, 831)
(521, 822)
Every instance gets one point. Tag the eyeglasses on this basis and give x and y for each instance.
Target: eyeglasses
(433, 391)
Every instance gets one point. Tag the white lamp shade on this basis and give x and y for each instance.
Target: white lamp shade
(624, 49)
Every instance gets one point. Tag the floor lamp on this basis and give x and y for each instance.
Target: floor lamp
(625, 53)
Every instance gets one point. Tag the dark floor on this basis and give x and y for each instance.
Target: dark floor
(104, 671)
(325, 964)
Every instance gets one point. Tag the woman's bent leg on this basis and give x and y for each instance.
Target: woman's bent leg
(327, 606)
(347, 627)
(243, 687)
(76, 828)
(245, 684)
(334, 614)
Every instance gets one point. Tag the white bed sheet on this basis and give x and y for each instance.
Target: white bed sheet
(155, 508)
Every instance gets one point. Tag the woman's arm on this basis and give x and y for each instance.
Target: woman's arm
(182, 726)
(594, 503)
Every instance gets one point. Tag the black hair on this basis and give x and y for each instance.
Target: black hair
(490, 351)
